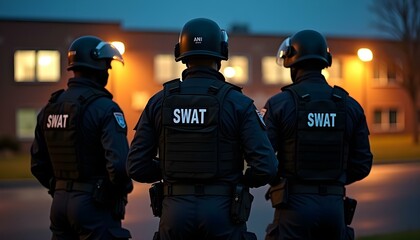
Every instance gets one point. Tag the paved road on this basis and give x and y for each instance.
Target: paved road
(388, 202)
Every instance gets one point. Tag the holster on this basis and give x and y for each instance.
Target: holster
(349, 209)
(100, 192)
(156, 198)
(241, 204)
(277, 194)
(110, 197)
(118, 210)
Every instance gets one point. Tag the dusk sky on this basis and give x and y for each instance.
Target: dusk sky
(330, 17)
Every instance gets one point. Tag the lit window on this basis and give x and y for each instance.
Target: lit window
(25, 122)
(37, 66)
(388, 119)
(166, 68)
(273, 73)
(235, 70)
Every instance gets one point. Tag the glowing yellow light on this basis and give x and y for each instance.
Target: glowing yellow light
(365, 54)
(239, 72)
(44, 60)
(119, 46)
(325, 73)
(229, 72)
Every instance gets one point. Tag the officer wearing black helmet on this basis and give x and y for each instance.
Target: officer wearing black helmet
(194, 136)
(80, 149)
(321, 138)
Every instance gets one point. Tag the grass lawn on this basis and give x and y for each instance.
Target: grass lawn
(410, 235)
(15, 166)
(394, 148)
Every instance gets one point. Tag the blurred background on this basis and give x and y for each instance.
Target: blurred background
(374, 43)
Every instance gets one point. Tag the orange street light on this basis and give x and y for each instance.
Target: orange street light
(119, 46)
(365, 54)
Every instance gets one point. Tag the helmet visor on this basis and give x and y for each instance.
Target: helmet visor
(224, 36)
(106, 50)
(282, 52)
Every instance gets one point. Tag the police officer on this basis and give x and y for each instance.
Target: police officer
(80, 149)
(195, 134)
(320, 135)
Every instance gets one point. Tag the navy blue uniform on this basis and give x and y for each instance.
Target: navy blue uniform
(204, 216)
(314, 215)
(74, 212)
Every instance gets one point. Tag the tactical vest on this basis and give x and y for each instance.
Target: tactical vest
(63, 134)
(318, 151)
(190, 144)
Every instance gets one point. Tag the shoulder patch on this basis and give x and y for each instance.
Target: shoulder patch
(120, 119)
(260, 117)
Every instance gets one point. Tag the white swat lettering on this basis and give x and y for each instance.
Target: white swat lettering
(57, 120)
(321, 119)
(189, 115)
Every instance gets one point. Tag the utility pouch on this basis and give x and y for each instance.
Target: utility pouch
(349, 209)
(277, 193)
(241, 204)
(156, 198)
(119, 207)
(99, 192)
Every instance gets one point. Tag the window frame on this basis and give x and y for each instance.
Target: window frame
(176, 68)
(381, 74)
(36, 71)
(390, 119)
(278, 75)
(26, 132)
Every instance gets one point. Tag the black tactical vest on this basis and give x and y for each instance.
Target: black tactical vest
(190, 142)
(318, 151)
(63, 135)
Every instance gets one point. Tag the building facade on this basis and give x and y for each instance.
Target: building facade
(34, 58)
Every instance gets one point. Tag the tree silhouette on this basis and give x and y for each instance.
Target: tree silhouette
(401, 19)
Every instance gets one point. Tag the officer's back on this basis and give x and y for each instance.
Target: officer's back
(202, 129)
(80, 148)
(321, 138)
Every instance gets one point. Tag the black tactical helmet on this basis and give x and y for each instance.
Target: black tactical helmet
(304, 45)
(91, 52)
(202, 36)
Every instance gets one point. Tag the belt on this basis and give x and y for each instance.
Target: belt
(316, 189)
(196, 189)
(74, 186)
